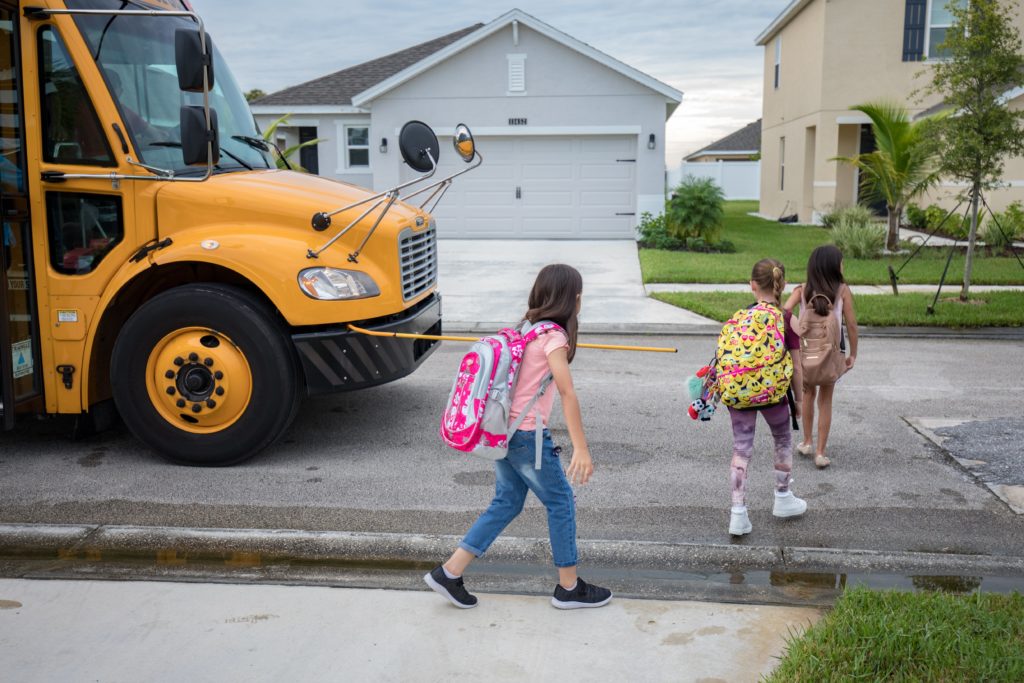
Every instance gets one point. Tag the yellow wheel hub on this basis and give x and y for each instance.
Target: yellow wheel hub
(198, 380)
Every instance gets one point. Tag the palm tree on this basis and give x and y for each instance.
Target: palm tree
(903, 166)
(286, 154)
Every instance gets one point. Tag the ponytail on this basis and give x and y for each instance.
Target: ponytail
(770, 275)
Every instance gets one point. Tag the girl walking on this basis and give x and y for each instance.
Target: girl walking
(767, 282)
(825, 288)
(555, 297)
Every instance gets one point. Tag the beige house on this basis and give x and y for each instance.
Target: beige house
(821, 58)
(741, 145)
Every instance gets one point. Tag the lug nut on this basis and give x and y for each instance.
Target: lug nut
(180, 403)
(220, 391)
(208, 362)
(210, 403)
(169, 374)
(218, 375)
(170, 391)
(196, 408)
(193, 356)
(179, 361)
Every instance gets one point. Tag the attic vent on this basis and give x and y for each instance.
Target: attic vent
(516, 74)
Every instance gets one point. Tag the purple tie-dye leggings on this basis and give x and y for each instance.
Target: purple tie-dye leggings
(743, 422)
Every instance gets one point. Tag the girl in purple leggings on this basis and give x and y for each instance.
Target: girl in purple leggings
(767, 282)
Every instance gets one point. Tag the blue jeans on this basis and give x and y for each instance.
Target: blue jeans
(515, 476)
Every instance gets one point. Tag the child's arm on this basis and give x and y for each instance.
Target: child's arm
(581, 466)
(798, 380)
(851, 326)
(793, 300)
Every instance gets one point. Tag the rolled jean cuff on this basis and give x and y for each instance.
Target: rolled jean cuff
(563, 565)
(470, 549)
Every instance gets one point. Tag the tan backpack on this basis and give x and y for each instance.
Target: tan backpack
(820, 357)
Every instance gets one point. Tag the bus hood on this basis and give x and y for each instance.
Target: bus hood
(271, 201)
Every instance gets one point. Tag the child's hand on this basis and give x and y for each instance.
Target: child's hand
(580, 467)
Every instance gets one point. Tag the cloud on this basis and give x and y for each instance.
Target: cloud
(705, 49)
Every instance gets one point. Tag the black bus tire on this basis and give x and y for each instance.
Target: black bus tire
(205, 374)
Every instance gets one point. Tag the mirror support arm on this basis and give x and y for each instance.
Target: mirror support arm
(479, 160)
(322, 219)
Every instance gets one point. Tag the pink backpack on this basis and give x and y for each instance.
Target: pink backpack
(475, 419)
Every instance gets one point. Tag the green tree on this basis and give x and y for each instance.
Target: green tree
(985, 61)
(285, 155)
(254, 94)
(903, 165)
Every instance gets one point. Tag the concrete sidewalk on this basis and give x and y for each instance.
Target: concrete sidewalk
(154, 631)
(486, 283)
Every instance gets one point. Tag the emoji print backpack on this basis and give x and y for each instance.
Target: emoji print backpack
(752, 365)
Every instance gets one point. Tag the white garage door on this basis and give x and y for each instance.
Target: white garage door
(541, 188)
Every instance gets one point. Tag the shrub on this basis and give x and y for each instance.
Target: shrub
(852, 215)
(1012, 223)
(829, 217)
(859, 240)
(654, 233)
(955, 226)
(696, 210)
(917, 217)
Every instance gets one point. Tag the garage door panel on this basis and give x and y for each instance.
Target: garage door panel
(604, 171)
(569, 186)
(547, 172)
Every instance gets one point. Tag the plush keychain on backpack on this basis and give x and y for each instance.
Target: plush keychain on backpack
(702, 394)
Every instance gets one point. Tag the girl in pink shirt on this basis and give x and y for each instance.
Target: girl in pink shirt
(555, 297)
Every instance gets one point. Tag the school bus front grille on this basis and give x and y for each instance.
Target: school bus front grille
(417, 258)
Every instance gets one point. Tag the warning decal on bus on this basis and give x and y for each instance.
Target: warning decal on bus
(21, 355)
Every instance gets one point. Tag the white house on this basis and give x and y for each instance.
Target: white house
(572, 139)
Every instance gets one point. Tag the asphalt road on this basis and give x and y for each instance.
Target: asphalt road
(372, 461)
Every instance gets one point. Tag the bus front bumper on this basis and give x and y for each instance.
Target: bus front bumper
(337, 359)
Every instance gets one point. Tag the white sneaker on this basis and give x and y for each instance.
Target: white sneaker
(739, 523)
(788, 505)
(805, 448)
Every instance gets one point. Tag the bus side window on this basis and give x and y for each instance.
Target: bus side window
(71, 129)
(83, 229)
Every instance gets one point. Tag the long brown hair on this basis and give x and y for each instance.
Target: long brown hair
(770, 275)
(555, 297)
(824, 276)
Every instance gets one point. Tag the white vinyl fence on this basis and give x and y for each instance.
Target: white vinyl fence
(738, 179)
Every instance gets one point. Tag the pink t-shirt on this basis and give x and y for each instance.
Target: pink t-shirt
(532, 370)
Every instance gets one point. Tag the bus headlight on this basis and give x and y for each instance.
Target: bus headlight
(332, 284)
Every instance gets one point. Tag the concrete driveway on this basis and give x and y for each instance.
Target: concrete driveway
(485, 284)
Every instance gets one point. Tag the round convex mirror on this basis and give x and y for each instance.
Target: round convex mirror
(463, 141)
(418, 145)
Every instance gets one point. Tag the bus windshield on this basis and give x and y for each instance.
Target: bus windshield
(136, 56)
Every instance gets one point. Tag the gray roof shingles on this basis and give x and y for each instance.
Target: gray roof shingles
(339, 87)
(745, 139)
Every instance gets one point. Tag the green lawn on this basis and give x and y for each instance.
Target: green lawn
(989, 309)
(899, 636)
(756, 238)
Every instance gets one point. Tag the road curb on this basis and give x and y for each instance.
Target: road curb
(389, 550)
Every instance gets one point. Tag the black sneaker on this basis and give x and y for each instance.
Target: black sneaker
(584, 595)
(450, 588)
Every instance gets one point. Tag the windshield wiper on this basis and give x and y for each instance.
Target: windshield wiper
(263, 145)
(254, 142)
(170, 143)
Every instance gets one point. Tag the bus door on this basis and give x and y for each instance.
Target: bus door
(19, 328)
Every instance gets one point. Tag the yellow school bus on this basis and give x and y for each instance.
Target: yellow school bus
(156, 260)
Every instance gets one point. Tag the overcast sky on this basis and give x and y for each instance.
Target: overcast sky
(703, 48)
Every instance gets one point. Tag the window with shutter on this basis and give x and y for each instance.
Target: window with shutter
(517, 74)
(914, 25)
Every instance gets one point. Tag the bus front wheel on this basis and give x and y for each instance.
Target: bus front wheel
(205, 374)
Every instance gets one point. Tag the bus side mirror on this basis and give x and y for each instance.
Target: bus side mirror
(195, 137)
(418, 146)
(464, 144)
(190, 60)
